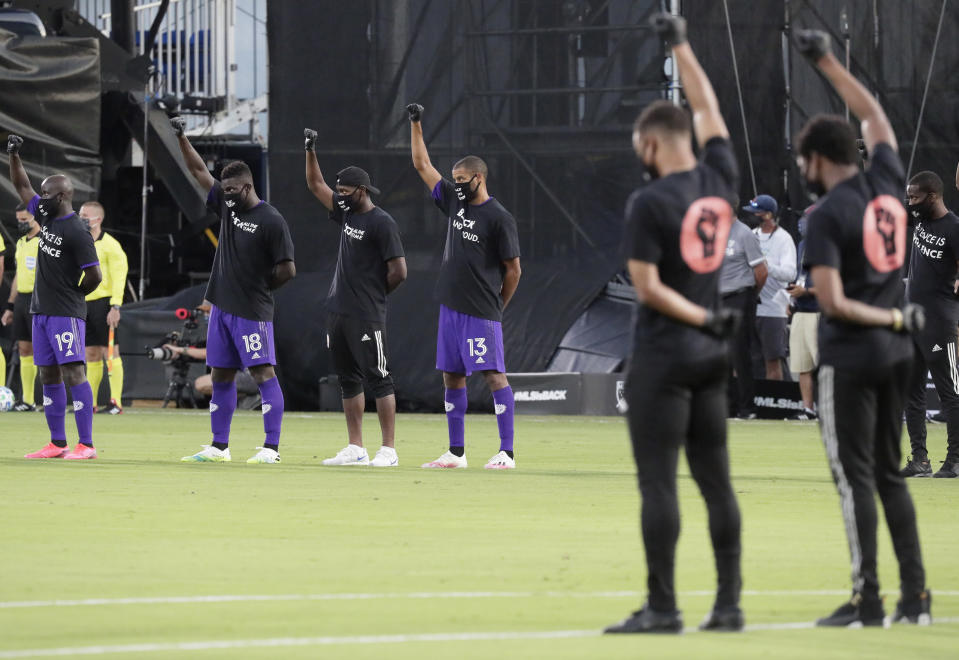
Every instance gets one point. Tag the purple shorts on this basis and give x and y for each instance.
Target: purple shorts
(465, 344)
(233, 342)
(58, 340)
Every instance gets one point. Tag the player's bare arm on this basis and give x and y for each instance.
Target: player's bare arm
(7, 317)
(876, 129)
(707, 119)
(395, 273)
(834, 303)
(667, 301)
(421, 157)
(91, 279)
(760, 273)
(194, 163)
(18, 175)
(314, 175)
(283, 272)
(510, 279)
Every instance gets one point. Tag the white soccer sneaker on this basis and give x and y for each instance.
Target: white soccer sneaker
(265, 455)
(209, 454)
(501, 461)
(385, 457)
(349, 455)
(447, 460)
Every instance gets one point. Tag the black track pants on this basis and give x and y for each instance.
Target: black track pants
(671, 406)
(935, 353)
(741, 345)
(860, 415)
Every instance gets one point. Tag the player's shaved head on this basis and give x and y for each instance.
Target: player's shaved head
(927, 182)
(237, 170)
(663, 117)
(94, 207)
(56, 184)
(473, 165)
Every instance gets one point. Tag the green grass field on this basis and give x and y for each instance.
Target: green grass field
(132, 555)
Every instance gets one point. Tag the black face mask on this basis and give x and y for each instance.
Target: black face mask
(464, 192)
(48, 207)
(751, 220)
(345, 202)
(920, 211)
(234, 199)
(23, 227)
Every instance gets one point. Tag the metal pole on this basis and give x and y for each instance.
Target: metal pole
(146, 189)
(925, 92)
(844, 31)
(674, 83)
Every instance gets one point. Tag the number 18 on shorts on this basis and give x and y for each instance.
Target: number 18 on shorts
(465, 343)
(234, 342)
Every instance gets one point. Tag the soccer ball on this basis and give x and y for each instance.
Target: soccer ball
(6, 399)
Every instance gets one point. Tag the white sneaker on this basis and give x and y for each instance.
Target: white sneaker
(349, 455)
(385, 457)
(500, 461)
(265, 455)
(447, 460)
(209, 454)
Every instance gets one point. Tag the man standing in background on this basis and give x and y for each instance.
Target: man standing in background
(103, 309)
(780, 253)
(17, 308)
(742, 276)
(804, 331)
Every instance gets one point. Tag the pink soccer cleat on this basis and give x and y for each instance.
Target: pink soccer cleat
(81, 452)
(49, 451)
(447, 460)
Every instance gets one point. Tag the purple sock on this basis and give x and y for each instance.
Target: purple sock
(222, 407)
(456, 416)
(83, 411)
(54, 407)
(503, 405)
(272, 397)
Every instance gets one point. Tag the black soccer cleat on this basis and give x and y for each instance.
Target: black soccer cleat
(917, 611)
(949, 470)
(23, 406)
(648, 620)
(726, 619)
(856, 613)
(916, 468)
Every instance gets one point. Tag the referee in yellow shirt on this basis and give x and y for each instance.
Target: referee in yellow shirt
(103, 309)
(17, 308)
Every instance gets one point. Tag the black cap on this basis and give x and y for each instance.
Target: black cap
(354, 176)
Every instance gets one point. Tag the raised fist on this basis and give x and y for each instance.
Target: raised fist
(14, 142)
(813, 44)
(671, 28)
(415, 110)
(179, 125)
(309, 141)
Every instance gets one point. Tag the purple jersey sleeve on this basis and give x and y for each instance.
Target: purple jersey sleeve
(32, 205)
(443, 194)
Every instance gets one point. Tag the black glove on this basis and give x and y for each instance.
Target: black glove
(813, 44)
(671, 28)
(722, 323)
(14, 142)
(415, 110)
(179, 125)
(913, 319)
(309, 141)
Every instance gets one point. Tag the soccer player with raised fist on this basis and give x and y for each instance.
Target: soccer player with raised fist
(254, 257)
(675, 239)
(477, 279)
(855, 249)
(67, 269)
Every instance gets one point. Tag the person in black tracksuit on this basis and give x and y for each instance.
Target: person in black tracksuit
(676, 233)
(932, 284)
(855, 248)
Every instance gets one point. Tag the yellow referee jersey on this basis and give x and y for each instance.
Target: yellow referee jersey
(113, 266)
(27, 263)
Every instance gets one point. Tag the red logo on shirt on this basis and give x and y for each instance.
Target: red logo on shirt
(702, 238)
(884, 233)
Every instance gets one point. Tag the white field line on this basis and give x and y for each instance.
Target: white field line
(172, 647)
(424, 595)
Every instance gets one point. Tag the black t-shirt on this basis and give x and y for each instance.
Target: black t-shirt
(252, 242)
(368, 241)
(932, 267)
(859, 228)
(65, 249)
(480, 237)
(681, 223)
